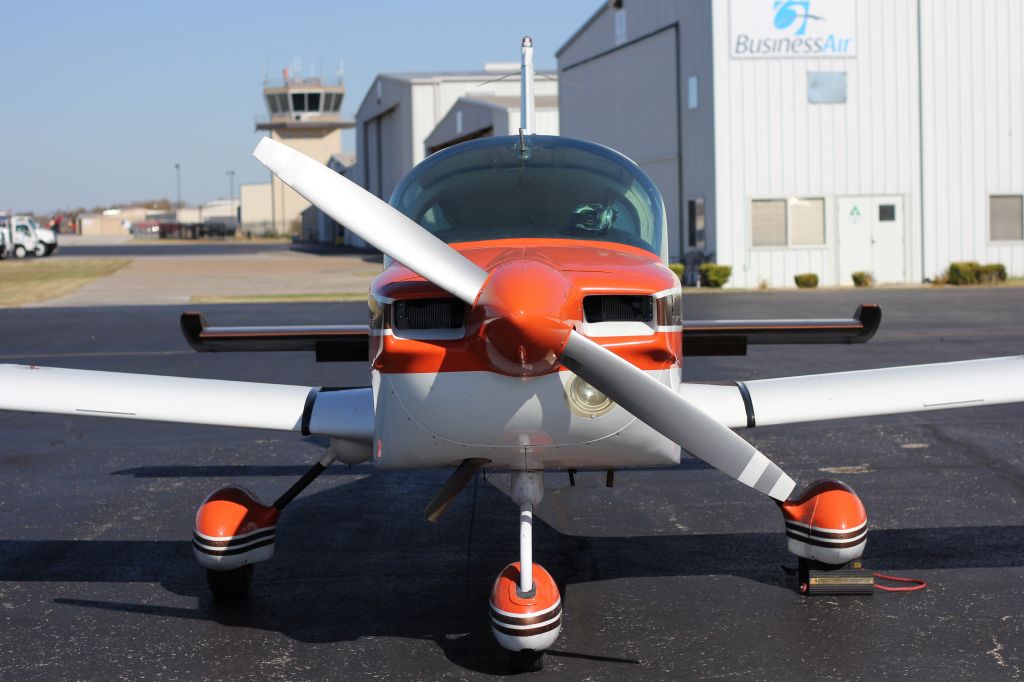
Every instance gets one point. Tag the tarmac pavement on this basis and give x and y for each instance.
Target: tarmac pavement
(175, 273)
(671, 574)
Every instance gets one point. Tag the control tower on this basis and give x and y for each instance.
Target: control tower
(304, 113)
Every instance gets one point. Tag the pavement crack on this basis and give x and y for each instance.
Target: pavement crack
(995, 652)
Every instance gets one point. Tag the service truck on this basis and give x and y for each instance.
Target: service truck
(23, 237)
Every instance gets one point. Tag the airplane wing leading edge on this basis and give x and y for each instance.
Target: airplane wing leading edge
(862, 393)
(341, 413)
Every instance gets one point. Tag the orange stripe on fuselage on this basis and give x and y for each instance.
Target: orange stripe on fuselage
(591, 268)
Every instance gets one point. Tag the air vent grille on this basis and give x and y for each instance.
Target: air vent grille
(618, 308)
(430, 313)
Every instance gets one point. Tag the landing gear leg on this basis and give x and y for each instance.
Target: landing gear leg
(526, 608)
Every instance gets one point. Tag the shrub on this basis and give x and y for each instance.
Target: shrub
(714, 275)
(972, 272)
(863, 279)
(808, 280)
(677, 268)
(763, 285)
(964, 272)
(992, 273)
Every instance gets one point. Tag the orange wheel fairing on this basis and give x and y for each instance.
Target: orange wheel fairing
(525, 622)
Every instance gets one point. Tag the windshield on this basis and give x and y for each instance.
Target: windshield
(556, 187)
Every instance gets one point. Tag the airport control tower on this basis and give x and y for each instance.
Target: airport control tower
(304, 113)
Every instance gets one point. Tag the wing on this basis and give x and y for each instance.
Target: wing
(339, 413)
(731, 337)
(862, 393)
(331, 343)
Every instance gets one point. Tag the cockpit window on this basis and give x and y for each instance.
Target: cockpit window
(540, 186)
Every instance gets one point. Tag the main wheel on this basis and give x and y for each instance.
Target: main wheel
(233, 583)
(526, 661)
(20, 252)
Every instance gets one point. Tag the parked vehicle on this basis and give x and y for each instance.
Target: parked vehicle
(5, 244)
(46, 239)
(20, 233)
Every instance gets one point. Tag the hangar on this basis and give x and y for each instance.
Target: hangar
(824, 136)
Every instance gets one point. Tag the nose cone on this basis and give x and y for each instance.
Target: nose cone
(527, 323)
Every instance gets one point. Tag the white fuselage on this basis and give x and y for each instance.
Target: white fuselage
(440, 419)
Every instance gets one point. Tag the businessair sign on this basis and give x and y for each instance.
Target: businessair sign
(773, 29)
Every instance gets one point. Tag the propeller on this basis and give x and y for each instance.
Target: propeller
(375, 221)
(525, 327)
(674, 417)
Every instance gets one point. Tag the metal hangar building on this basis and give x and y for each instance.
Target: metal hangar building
(823, 136)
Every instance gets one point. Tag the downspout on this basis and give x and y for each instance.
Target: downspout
(920, 140)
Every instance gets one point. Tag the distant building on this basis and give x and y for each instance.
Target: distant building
(114, 221)
(823, 136)
(305, 114)
(216, 211)
(256, 209)
(401, 110)
(317, 226)
(476, 116)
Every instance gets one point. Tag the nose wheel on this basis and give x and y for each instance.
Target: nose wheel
(233, 583)
(525, 605)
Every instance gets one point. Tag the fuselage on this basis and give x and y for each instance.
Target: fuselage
(443, 393)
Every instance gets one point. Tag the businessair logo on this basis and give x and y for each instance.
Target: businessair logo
(766, 29)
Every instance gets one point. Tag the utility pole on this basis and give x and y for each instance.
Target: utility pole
(231, 195)
(177, 172)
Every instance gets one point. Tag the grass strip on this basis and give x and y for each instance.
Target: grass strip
(35, 280)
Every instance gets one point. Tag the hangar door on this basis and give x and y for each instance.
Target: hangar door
(382, 154)
(628, 99)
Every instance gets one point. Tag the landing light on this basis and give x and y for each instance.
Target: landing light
(586, 401)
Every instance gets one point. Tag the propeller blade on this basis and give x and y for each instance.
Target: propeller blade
(462, 475)
(674, 417)
(377, 222)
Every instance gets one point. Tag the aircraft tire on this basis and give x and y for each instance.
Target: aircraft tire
(233, 583)
(526, 661)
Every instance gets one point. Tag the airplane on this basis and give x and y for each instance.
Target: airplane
(525, 321)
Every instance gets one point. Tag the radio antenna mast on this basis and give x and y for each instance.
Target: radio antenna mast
(526, 115)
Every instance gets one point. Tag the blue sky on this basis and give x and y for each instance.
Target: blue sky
(103, 98)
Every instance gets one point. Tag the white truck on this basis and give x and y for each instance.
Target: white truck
(22, 236)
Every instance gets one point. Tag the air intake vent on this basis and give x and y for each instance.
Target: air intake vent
(618, 308)
(430, 313)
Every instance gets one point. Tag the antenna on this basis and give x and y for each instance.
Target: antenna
(526, 112)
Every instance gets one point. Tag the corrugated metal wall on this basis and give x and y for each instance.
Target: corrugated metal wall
(771, 143)
(973, 92)
(958, 114)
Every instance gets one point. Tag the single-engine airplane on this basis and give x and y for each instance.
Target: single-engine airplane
(525, 321)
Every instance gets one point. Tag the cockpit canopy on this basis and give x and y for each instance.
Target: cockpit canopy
(538, 186)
